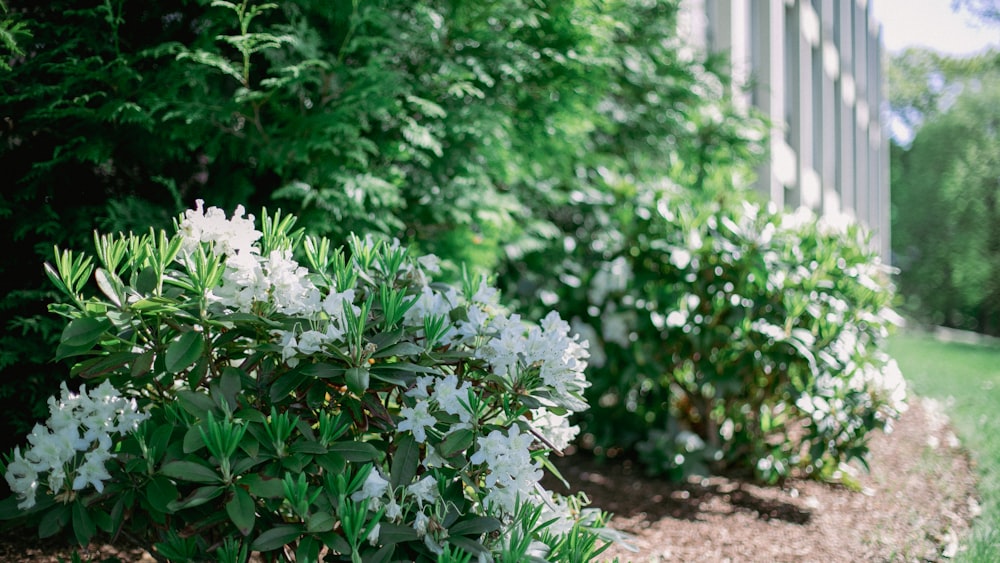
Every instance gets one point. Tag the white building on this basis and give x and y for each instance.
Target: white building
(814, 67)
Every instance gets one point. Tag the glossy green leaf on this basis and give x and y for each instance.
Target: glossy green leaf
(54, 521)
(405, 461)
(198, 497)
(84, 527)
(184, 351)
(276, 537)
(457, 441)
(242, 510)
(357, 380)
(195, 403)
(320, 522)
(189, 471)
(356, 452)
(160, 492)
(399, 349)
(475, 526)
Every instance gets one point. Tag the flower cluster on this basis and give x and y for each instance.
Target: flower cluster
(69, 452)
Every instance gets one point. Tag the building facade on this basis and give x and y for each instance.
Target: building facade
(814, 68)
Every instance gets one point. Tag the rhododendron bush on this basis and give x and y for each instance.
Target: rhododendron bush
(726, 335)
(238, 401)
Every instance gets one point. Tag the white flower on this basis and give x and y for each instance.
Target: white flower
(92, 471)
(229, 237)
(81, 422)
(419, 391)
(430, 263)
(554, 428)
(375, 487)
(420, 524)
(291, 291)
(22, 478)
(430, 302)
(424, 490)
(513, 474)
(373, 535)
(450, 395)
(417, 419)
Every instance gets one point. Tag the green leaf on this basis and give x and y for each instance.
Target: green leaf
(145, 282)
(332, 462)
(473, 547)
(391, 534)
(184, 351)
(110, 286)
(230, 384)
(195, 403)
(308, 549)
(154, 305)
(189, 471)
(405, 461)
(83, 525)
(400, 349)
(475, 526)
(320, 522)
(303, 446)
(383, 555)
(242, 510)
(54, 521)
(198, 497)
(80, 336)
(160, 492)
(357, 380)
(285, 384)
(143, 363)
(276, 537)
(102, 365)
(215, 61)
(457, 441)
(357, 452)
(322, 371)
(192, 438)
(263, 486)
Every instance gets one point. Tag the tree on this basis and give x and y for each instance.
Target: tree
(945, 211)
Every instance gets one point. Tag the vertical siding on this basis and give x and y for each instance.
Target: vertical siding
(816, 71)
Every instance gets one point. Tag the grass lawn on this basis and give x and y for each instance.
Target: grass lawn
(967, 378)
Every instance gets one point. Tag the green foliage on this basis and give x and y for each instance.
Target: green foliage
(249, 404)
(465, 128)
(945, 212)
(724, 335)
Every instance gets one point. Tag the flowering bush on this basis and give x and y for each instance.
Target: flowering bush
(352, 410)
(726, 335)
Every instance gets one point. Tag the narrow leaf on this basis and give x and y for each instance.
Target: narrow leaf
(404, 461)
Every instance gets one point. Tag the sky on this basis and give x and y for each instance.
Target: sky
(932, 24)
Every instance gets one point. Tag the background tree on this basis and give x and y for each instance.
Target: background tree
(945, 190)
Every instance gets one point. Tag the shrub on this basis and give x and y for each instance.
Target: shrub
(242, 402)
(726, 335)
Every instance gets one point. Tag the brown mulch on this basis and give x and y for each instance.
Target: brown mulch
(915, 505)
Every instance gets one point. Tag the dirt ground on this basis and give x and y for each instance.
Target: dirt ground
(915, 505)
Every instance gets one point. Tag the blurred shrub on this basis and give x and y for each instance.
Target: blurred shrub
(725, 335)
